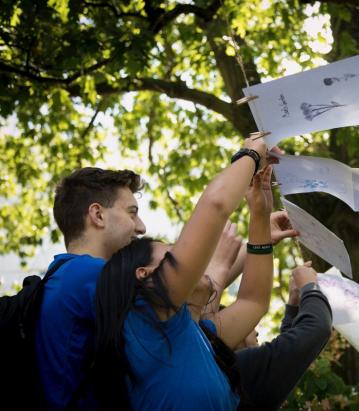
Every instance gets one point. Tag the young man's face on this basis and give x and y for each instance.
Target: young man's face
(122, 221)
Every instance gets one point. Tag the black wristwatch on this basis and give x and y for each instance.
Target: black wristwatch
(309, 287)
(248, 152)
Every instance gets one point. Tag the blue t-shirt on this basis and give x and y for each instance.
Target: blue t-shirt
(174, 374)
(65, 328)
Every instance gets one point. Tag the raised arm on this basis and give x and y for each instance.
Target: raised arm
(235, 322)
(200, 235)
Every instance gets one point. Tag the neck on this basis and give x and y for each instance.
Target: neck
(80, 247)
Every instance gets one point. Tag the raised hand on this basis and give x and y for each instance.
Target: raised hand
(281, 227)
(225, 255)
(259, 195)
(304, 274)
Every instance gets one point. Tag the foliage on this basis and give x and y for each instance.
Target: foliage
(321, 389)
(166, 73)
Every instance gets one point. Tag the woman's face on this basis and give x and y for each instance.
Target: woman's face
(158, 252)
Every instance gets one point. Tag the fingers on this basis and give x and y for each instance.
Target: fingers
(227, 226)
(289, 233)
(232, 229)
(277, 150)
(257, 181)
(308, 264)
(266, 176)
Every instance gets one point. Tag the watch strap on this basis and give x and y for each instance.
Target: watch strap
(248, 152)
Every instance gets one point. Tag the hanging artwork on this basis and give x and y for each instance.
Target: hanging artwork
(343, 296)
(304, 174)
(319, 99)
(317, 238)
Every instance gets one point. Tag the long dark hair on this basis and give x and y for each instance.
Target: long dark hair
(117, 289)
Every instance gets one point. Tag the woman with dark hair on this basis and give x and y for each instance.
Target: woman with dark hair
(150, 354)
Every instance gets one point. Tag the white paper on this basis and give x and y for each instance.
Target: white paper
(334, 271)
(343, 296)
(319, 99)
(304, 174)
(317, 238)
(350, 332)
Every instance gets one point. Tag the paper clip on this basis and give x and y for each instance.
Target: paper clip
(259, 134)
(246, 99)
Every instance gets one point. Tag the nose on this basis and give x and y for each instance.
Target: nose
(140, 227)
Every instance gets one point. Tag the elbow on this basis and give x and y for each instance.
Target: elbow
(265, 308)
(217, 202)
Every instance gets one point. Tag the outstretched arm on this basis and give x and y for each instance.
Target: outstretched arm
(280, 227)
(200, 235)
(235, 322)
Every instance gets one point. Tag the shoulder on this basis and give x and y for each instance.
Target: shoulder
(143, 321)
(79, 268)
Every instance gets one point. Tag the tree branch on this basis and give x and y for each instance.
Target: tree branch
(114, 10)
(205, 14)
(176, 89)
(47, 79)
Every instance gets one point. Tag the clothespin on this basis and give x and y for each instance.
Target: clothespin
(246, 99)
(259, 134)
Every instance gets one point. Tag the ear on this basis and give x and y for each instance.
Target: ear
(96, 215)
(143, 272)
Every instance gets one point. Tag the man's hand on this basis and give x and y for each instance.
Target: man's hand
(304, 274)
(281, 227)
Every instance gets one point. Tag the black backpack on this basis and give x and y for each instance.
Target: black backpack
(20, 387)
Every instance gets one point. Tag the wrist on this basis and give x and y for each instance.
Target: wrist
(259, 248)
(250, 153)
(218, 276)
(311, 286)
(260, 215)
(293, 302)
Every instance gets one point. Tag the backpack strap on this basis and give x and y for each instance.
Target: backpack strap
(29, 303)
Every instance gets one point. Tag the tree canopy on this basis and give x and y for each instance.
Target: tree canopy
(166, 72)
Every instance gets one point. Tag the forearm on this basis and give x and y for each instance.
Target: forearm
(256, 284)
(235, 322)
(290, 313)
(237, 268)
(197, 242)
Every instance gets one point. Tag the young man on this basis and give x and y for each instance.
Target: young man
(97, 213)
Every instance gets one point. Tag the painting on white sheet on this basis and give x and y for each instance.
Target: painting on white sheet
(317, 238)
(343, 296)
(323, 98)
(304, 174)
